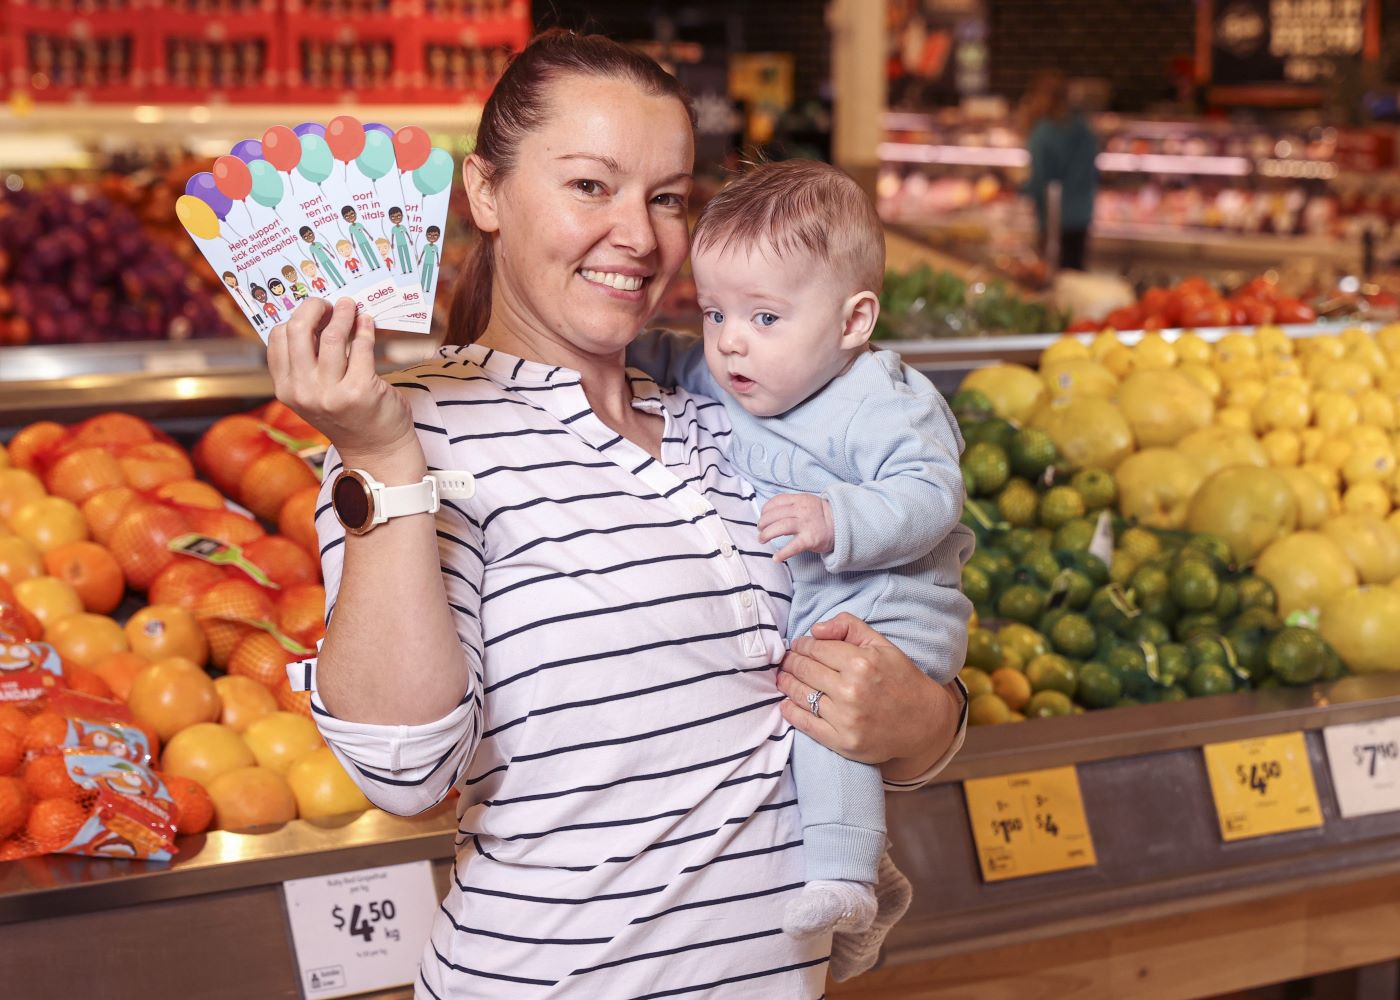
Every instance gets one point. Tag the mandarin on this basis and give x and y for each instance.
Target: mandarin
(46, 731)
(259, 656)
(272, 479)
(159, 631)
(183, 581)
(172, 695)
(12, 748)
(194, 808)
(281, 416)
(118, 671)
(141, 542)
(227, 526)
(238, 599)
(86, 681)
(293, 702)
(90, 570)
(14, 806)
(104, 510)
(229, 447)
(13, 721)
(297, 519)
(79, 474)
(152, 465)
(301, 613)
(191, 493)
(108, 429)
(32, 445)
(284, 561)
(53, 823)
(47, 778)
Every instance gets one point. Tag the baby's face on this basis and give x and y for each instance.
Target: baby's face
(772, 325)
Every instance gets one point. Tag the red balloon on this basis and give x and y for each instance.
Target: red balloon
(411, 147)
(346, 137)
(281, 147)
(231, 177)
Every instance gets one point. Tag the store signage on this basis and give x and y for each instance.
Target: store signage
(1262, 786)
(1029, 823)
(360, 931)
(1283, 41)
(1365, 763)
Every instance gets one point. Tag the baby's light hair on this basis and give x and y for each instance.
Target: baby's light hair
(798, 207)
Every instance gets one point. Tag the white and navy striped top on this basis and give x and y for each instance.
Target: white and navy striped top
(628, 827)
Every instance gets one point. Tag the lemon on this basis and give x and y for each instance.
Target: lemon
(1272, 340)
(987, 710)
(1235, 417)
(1140, 544)
(1064, 349)
(1366, 498)
(1014, 390)
(1154, 353)
(1369, 463)
(1163, 406)
(1283, 447)
(1277, 367)
(1311, 439)
(1285, 408)
(1119, 360)
(1236, 345)
(1155, 486)
(1213, 448)
(1238, 369)
(1327, 477)
(1334, 453)
(1394, 520)
(1370, 357)
(1376, 409)
(1204, 377)
(1190, 348)
(1370, 543)
(1343, 375)
(1102, 344)
(1334, 411)
(1326, 346)
(1078, 377)
(1363, 434)
(1314, 501)
(1388, 338)
(1354, 336)
(1246, 392)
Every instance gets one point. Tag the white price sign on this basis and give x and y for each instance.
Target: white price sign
(360, 931)
(1365, 762)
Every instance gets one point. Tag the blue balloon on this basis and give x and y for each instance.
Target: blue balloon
(316, 159)
(202, 186)
(435, 173)
(311, 128)
(247, 150)
(267, 183)
(378, 127)
(377, 157)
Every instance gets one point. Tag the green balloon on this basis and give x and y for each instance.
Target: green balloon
(378, 155)
(316, 158)
(435, 173)
(267, 183)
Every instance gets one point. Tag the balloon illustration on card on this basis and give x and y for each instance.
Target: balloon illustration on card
(344, 209)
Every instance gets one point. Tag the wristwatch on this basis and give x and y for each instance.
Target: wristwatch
(362, 502)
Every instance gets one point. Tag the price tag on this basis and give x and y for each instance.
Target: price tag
(1365, 762)
(360, 931)
(1029, 823)
(1262, 786)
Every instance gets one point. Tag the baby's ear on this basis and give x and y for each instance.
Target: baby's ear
(861, 311)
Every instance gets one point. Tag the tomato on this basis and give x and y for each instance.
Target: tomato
(1258, 312)
(1078, 326)
(1126, 318)
(1293, 311)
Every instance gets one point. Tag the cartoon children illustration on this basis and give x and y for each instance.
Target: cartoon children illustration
(322, 255)
(399, 234)
(231, 280)
(428, 257)
(346, 251)
(360, 235)
(313, 274)
(269, 307)
(299, 291)
(382, 245)
(278, 289)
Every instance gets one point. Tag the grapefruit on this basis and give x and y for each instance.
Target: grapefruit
(1215, 448)
(172, 695)
(1371, 544)
(1248, 507)
(1087, 431)
(204, 751)
(1162, 407)
(1306, 569)
(1155, 487)
(1363, 625)
(323, 788)
(244, 702)
(1014, 390)
(249, 797)
(160, 631)
(282, 738)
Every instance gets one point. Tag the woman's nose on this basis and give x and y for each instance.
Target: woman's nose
(633, 229)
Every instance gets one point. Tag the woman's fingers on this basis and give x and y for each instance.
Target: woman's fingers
(278, 363)
(333, 344)
(302, 328)
(810, 671)
(360, 364)
(801, 718)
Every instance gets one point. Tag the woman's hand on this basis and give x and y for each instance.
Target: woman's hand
(322, 365)
(876, 707)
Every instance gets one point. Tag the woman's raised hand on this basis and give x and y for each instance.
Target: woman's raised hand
(322, 365)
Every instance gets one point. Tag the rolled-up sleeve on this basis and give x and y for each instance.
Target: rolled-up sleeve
(937, 766)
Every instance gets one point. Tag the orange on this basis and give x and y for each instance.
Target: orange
(229, 447)
(261, 657)
(19, 560)
(322, 788)
(86, 681)
(244, 701)
(105, 508)
(79, 474)
(118, 671)
(286, 562)
(301, 613)
(232, 599)
(297, 519)
(90, 570)
(46, 731)
(48, 599)
(271, 480)
(225, 525)
(295, 702)
(148, 466)
(281, 416)
(141, 539)
(49, 523)
(251, 796)
(53, 823)
(86, 638)
(164, 630)
(281, 739)
(12, 749)
(108, 429)
(31, 445)
(47, 778)
(191, 493)
(13, 721)
(14, 806)
(204, 751)
(172, 695)
(194, 807)
(18, 488)
(183, 581)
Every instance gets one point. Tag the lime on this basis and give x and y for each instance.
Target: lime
(1108, 642)
(1229, 600)
(1021, 603)
(1269, 683)
(1051, 672)
(1194, 585)
(976, 586)
(1258, 618)
(1097, 488)
(1074, 535)
(1046, 704)
(994, 431)
(1110, 608)
(1059, 505)
(1122, 567)
(1032, 452)
(981, 517)
(1174, 693)
(1042, 565)
(1256, 592)
(1208, 679)
(1043, 537)
(1046, 622)
(1249, 644)
(983, 649)
(1018, 503)
(1148, 582)
(1012, 660)
(1173, 662)
(1160, 608)
(1194, 624)
(1129, 665)
(1074, 636)
(1099, 686)
(1212, 546)
(1091, 566)
(1077, 588)
(1296, 655)
(1012, 687)
(1139, 543)
(1022, 640)
(969, 482)
(971, 405)
(976, 681)
(1332, 667)
(1146, 629)
(1019, 541)
(989, 467)
(1206, 648)
(987, 710)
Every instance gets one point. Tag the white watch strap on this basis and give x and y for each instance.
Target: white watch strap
(423, 497)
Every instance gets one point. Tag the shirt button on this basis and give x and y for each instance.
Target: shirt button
(746, 599)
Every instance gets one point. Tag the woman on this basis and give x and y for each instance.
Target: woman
(585, 647)
(1064, 151)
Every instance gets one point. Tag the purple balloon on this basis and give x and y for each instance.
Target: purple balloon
(377, 127)
(247, 150)
(202, 186)
(312, 127)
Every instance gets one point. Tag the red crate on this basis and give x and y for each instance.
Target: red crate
(459, 58)
(77, 53)
(232, 57)
(347, 59)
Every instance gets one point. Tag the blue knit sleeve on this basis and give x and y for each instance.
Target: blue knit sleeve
(674, 359)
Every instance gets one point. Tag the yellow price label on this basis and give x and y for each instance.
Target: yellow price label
(1029, 823)
(1262, 786)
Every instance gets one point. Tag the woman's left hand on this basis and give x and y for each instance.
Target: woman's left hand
(876, 705)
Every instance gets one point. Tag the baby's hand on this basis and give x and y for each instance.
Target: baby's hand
(805, 517)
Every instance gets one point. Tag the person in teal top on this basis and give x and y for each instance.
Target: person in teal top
(399, 237)
(322, 255)
(427, 257)
(1063, 148)
(361, 238)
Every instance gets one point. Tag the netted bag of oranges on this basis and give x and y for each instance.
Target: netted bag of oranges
(255, 458)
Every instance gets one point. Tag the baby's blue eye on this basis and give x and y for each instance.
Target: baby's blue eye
(713, 316)
(765, 319)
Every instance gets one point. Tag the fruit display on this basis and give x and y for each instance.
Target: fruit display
(1194, 302)
(926, 303)
(156, 604)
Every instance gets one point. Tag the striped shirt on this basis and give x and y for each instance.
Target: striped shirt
(628, 827)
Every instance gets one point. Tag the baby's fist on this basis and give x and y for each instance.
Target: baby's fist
(807, 518)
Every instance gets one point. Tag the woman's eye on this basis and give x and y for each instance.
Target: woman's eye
(670, 201)
(765, 319)
(588, 187)
(713, 316)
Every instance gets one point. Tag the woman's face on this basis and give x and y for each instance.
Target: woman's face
(592, 219)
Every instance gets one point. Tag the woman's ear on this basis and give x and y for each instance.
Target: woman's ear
(861, 311)
(481, 195)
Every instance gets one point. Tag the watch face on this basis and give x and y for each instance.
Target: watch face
(350, 497)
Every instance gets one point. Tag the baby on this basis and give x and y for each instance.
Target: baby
(854, 457)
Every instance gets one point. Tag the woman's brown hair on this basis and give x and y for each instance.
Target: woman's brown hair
(517, 106)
